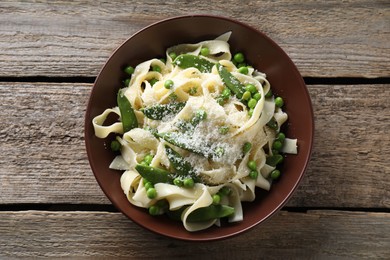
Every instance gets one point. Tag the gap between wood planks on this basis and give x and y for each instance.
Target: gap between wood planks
(308, 80)
(111, 208)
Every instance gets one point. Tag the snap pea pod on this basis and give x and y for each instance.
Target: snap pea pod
(175, 214)
(274, 160)
(186, 61)
(160, 111)
(179, 164)
(129, 120)
(211, 212)
(230, 81)
(203, 214)
(154, 175)
(184, 126)
(185, 141)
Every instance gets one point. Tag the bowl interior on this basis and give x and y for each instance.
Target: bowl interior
(262, 53)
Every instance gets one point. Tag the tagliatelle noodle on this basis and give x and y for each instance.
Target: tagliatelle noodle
(102, 131)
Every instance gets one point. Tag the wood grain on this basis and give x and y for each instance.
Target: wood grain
(62, 38)
(311, 235)
(43, 159)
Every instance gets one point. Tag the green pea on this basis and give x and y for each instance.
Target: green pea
(247, 147)
(277, 145)
(252, 103)
(151, 193)
(275, 174)
(173, 96)
(223, 130)
(153, 81)
(201, 114)
(279, 102)
(252, 88)
(257, 96)
(239, 57)
(154, 210)
(148, 185)
(126, 82)
(220, 101)
(205, 51)
(172, 55)
(250, 112)
(168, 84)
(216, 199)
(178, 182)
(253, 174)
(129, 70)
(219, 152)
(148, 159)
(272, 123)
(247, 95)
(115, 146)
(252, 165)
(193, 90)
(224, 191)
(226, 93)
(281, 137)
(243, 70)
(269, 94)
(156, 68)
(188, 183)
(240, 65)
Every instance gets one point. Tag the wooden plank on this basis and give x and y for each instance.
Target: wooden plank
(311, 235)
(43, 154)
(324, 38)
(43, 159)
(351, 142)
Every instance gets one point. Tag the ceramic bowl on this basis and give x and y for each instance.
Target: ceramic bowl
(263, 54)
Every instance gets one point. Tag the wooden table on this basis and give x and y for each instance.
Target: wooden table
(50, 203)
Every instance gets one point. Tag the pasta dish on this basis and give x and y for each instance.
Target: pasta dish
(197, 132)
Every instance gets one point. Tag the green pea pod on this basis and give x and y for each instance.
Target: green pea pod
(230, 81)
(129, 120)
(154, 175)
(176, 214)
(185, 61)
(179, 164)
(274, 160)
(186, 142)
(158, 112)
(210, 212)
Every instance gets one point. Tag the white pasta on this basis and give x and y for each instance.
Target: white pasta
(196, 147)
